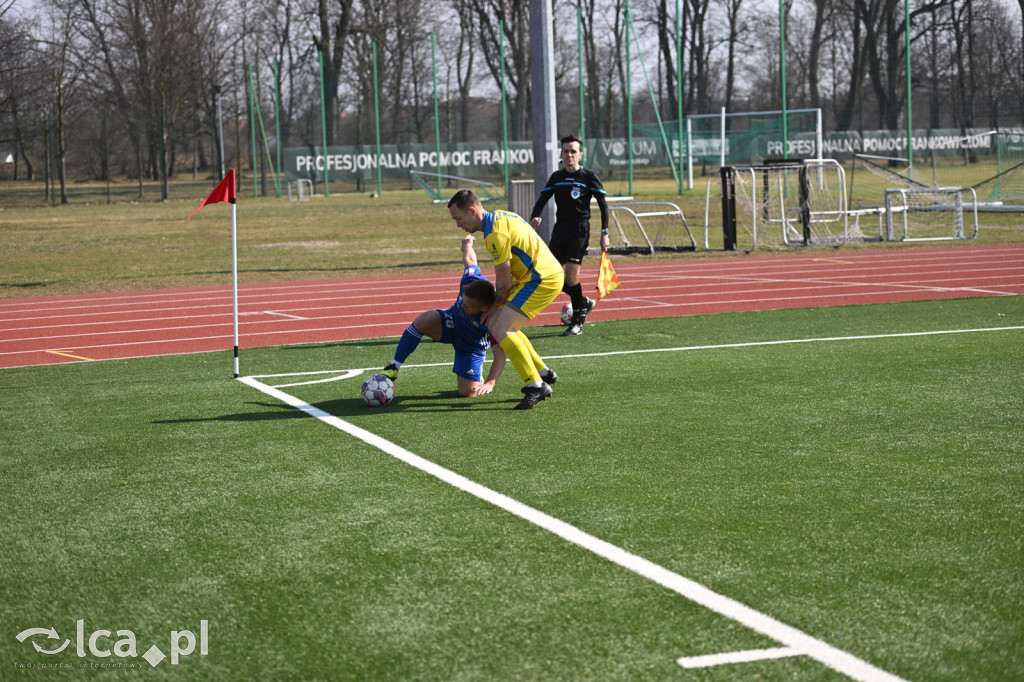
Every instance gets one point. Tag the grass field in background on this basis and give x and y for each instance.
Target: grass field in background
(91, 246)
(866, 491)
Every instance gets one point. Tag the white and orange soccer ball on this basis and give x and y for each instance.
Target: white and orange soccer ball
(378, 390)
(566, 314)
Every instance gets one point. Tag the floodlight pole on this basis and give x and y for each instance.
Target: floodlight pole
(545, 121)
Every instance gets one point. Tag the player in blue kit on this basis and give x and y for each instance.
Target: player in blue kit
(461, 327)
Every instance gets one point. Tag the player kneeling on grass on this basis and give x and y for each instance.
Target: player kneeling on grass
(460, 326)
(527, 278)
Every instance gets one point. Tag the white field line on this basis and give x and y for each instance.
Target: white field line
(350, 373)
(737, 657)
(794, 640)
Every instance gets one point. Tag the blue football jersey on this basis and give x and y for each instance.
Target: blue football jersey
(468, 334)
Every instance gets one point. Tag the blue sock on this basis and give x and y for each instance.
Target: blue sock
(407, 344)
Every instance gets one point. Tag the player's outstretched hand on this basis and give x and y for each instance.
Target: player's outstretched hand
(483, 389)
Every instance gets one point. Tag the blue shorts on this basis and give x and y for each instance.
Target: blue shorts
(469, 352)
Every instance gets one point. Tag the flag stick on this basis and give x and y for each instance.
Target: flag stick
(234, 276)
(225, 191)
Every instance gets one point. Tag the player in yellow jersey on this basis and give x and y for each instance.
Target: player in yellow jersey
(527, 279)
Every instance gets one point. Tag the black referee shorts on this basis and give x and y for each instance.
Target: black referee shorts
(570, 246)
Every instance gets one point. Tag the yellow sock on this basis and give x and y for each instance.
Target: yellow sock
(537, 362)
(519, 353)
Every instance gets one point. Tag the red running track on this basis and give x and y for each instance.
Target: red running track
(47, 330)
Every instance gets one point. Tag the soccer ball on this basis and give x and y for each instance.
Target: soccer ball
(566, 314)
(378, 390)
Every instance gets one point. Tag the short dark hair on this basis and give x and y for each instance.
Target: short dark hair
(480, 290)
(463, 199)
(571, 138)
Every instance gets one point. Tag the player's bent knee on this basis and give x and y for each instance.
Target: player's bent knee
(429, 324)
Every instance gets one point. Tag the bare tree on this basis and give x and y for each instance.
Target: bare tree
(21, 102)
(63, 74)
(737, 30)
(334, 31)
(513, 17)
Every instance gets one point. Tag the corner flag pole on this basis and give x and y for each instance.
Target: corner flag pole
(234, 275)
(225, 191)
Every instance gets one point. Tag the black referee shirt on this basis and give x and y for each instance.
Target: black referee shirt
(572, 192)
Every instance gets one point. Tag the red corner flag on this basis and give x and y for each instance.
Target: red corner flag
(607, 280)
(225, 191)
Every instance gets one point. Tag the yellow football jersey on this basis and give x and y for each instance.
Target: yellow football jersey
(510, 238)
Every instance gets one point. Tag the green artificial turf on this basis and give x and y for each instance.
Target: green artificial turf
(866, 491)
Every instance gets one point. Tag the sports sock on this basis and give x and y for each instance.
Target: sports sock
(576, 294)
(538, 363)
(407, 344)
(517, 352)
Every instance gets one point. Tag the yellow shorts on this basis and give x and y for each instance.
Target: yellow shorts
(534, 295)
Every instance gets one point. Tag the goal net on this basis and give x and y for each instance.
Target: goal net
(737, 138)
(776, 205)
(931, 213)
(991, 163)
(300, 190)
(1005, 189)
(433, 184)
(647, 227)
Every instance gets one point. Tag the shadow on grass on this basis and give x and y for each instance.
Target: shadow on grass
(447, 401)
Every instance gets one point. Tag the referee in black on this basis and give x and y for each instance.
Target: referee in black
(572, 187)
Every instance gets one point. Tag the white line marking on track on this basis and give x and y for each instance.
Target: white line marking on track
(790, 637)
(738, 657)
(270, 312)
(642, 300)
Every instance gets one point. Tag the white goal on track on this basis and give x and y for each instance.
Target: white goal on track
(931, 213)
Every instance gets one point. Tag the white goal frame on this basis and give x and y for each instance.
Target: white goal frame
(942, 211)
(723, 144)
(798, 203)
(303, 190)
(671, 231)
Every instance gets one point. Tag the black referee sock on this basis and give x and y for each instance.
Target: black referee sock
(576, 295)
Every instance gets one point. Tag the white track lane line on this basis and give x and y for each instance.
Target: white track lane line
(791, 638)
